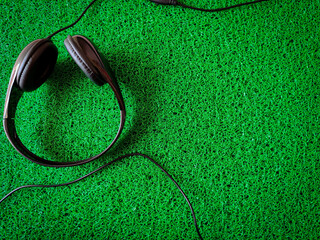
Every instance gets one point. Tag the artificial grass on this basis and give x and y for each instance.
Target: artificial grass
(227, 102)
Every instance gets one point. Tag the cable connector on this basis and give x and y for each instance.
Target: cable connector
(165, 2)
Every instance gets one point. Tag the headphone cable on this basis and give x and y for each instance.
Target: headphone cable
(74, 23)
(165, 2)
(107, 164)
(218, 9)
(175, 2)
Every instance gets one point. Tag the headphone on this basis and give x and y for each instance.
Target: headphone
(33, 67)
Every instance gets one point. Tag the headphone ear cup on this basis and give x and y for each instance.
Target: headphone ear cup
(86, 56)
(36, 63)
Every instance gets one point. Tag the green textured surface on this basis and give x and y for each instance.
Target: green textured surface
(227, 102)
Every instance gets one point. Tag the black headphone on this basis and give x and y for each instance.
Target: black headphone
(33, 67)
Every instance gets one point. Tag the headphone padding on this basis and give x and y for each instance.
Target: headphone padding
(36, 63)
(83, 52)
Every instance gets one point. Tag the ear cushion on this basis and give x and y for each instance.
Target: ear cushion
(86, 56)
(36, 63)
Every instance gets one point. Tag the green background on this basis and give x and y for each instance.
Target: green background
(228, 103)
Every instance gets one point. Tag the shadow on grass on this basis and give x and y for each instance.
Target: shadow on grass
(61, 86)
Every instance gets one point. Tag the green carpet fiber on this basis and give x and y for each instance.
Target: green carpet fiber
(228, 103)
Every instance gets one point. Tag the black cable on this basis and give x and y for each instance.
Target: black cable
(218, 9)
(166, 2)
(175, 2)
(71, 25)
(113, 161)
